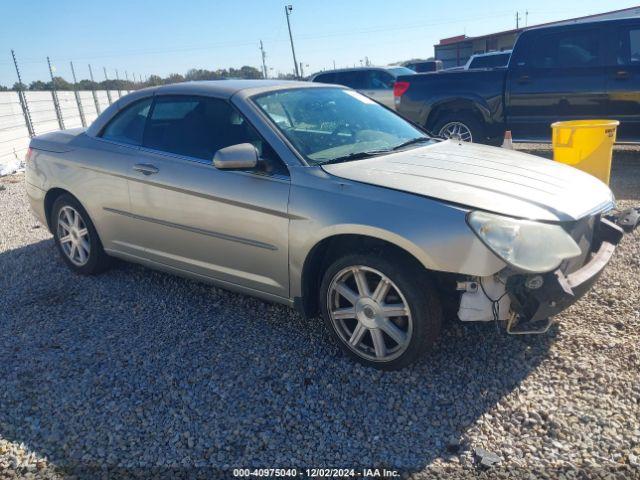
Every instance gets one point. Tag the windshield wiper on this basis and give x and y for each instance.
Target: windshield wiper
(411, 142)
(354, 156)
(373, 153)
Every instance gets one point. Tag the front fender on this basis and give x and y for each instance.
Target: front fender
(435, 233)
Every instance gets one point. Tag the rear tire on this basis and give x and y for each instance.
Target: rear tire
(76, 237)
(469, 127)
(385, 329)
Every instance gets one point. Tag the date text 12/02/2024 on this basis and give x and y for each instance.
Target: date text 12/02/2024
(316, 472)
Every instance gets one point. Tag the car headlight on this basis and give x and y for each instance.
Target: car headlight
(524, 244)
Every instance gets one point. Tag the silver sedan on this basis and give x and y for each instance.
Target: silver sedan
(317, 197)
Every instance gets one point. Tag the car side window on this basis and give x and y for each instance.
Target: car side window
(353, 79)
(628, 48)
(571, 49)
(379, 80)
(200, 126)
(128, 125)
(325, 78)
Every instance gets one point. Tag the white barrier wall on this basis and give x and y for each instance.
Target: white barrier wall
(14, 134)
(88, 106)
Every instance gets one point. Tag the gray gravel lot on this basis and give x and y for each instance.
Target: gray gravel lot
(146, 372)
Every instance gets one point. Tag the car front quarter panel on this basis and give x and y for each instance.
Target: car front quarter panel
(435, 233)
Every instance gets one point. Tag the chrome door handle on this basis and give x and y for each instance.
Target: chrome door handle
(145, 168)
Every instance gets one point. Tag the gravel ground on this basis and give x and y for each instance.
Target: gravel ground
(136, 372)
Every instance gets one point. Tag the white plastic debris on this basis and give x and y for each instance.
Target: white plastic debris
(11, 167)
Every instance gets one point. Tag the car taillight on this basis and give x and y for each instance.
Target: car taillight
(399, 88)
(27, 156)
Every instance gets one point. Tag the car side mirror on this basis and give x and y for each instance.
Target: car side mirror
(242, 156)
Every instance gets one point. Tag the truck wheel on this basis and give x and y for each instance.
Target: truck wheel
(462, 125)
(76, 237)
(383, 311)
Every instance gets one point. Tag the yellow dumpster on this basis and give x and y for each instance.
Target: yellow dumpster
(585, 144)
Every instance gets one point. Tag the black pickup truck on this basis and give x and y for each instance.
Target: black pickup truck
(565, 72)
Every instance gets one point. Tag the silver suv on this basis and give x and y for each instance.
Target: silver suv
(374, 82)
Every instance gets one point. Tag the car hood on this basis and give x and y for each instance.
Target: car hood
(487, 178)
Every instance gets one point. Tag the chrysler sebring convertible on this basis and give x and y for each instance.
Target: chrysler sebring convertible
(319, 198)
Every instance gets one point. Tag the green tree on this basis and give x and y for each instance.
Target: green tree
(174, 78)
(87, 85)
(61, 84)
(39, 85)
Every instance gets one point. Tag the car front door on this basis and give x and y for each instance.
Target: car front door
(560, 77)
(231, 226)
(623, 80)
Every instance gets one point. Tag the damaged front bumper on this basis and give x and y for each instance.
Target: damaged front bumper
(533, 299)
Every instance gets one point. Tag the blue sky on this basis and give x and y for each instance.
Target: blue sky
(165, 36)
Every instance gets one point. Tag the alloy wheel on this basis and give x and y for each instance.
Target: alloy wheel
(73, 236)
(456, 130)
(369, 313)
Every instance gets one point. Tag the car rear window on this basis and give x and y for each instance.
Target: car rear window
(128, 125)
(490, 61)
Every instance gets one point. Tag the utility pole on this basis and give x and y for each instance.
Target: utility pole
(334, 64)
(526, 18)
(518, 20)
(264, 64)
(93, 91)
(287, 11)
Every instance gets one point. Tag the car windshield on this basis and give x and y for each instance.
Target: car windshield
(329, 125)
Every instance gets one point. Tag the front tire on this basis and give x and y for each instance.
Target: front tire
(76, 237)
(382, 311)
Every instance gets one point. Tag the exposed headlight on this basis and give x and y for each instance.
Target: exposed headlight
(523, 244)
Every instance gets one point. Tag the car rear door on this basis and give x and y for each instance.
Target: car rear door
(556, 75)
(231, 226)
(623, 79)
(110, 154)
